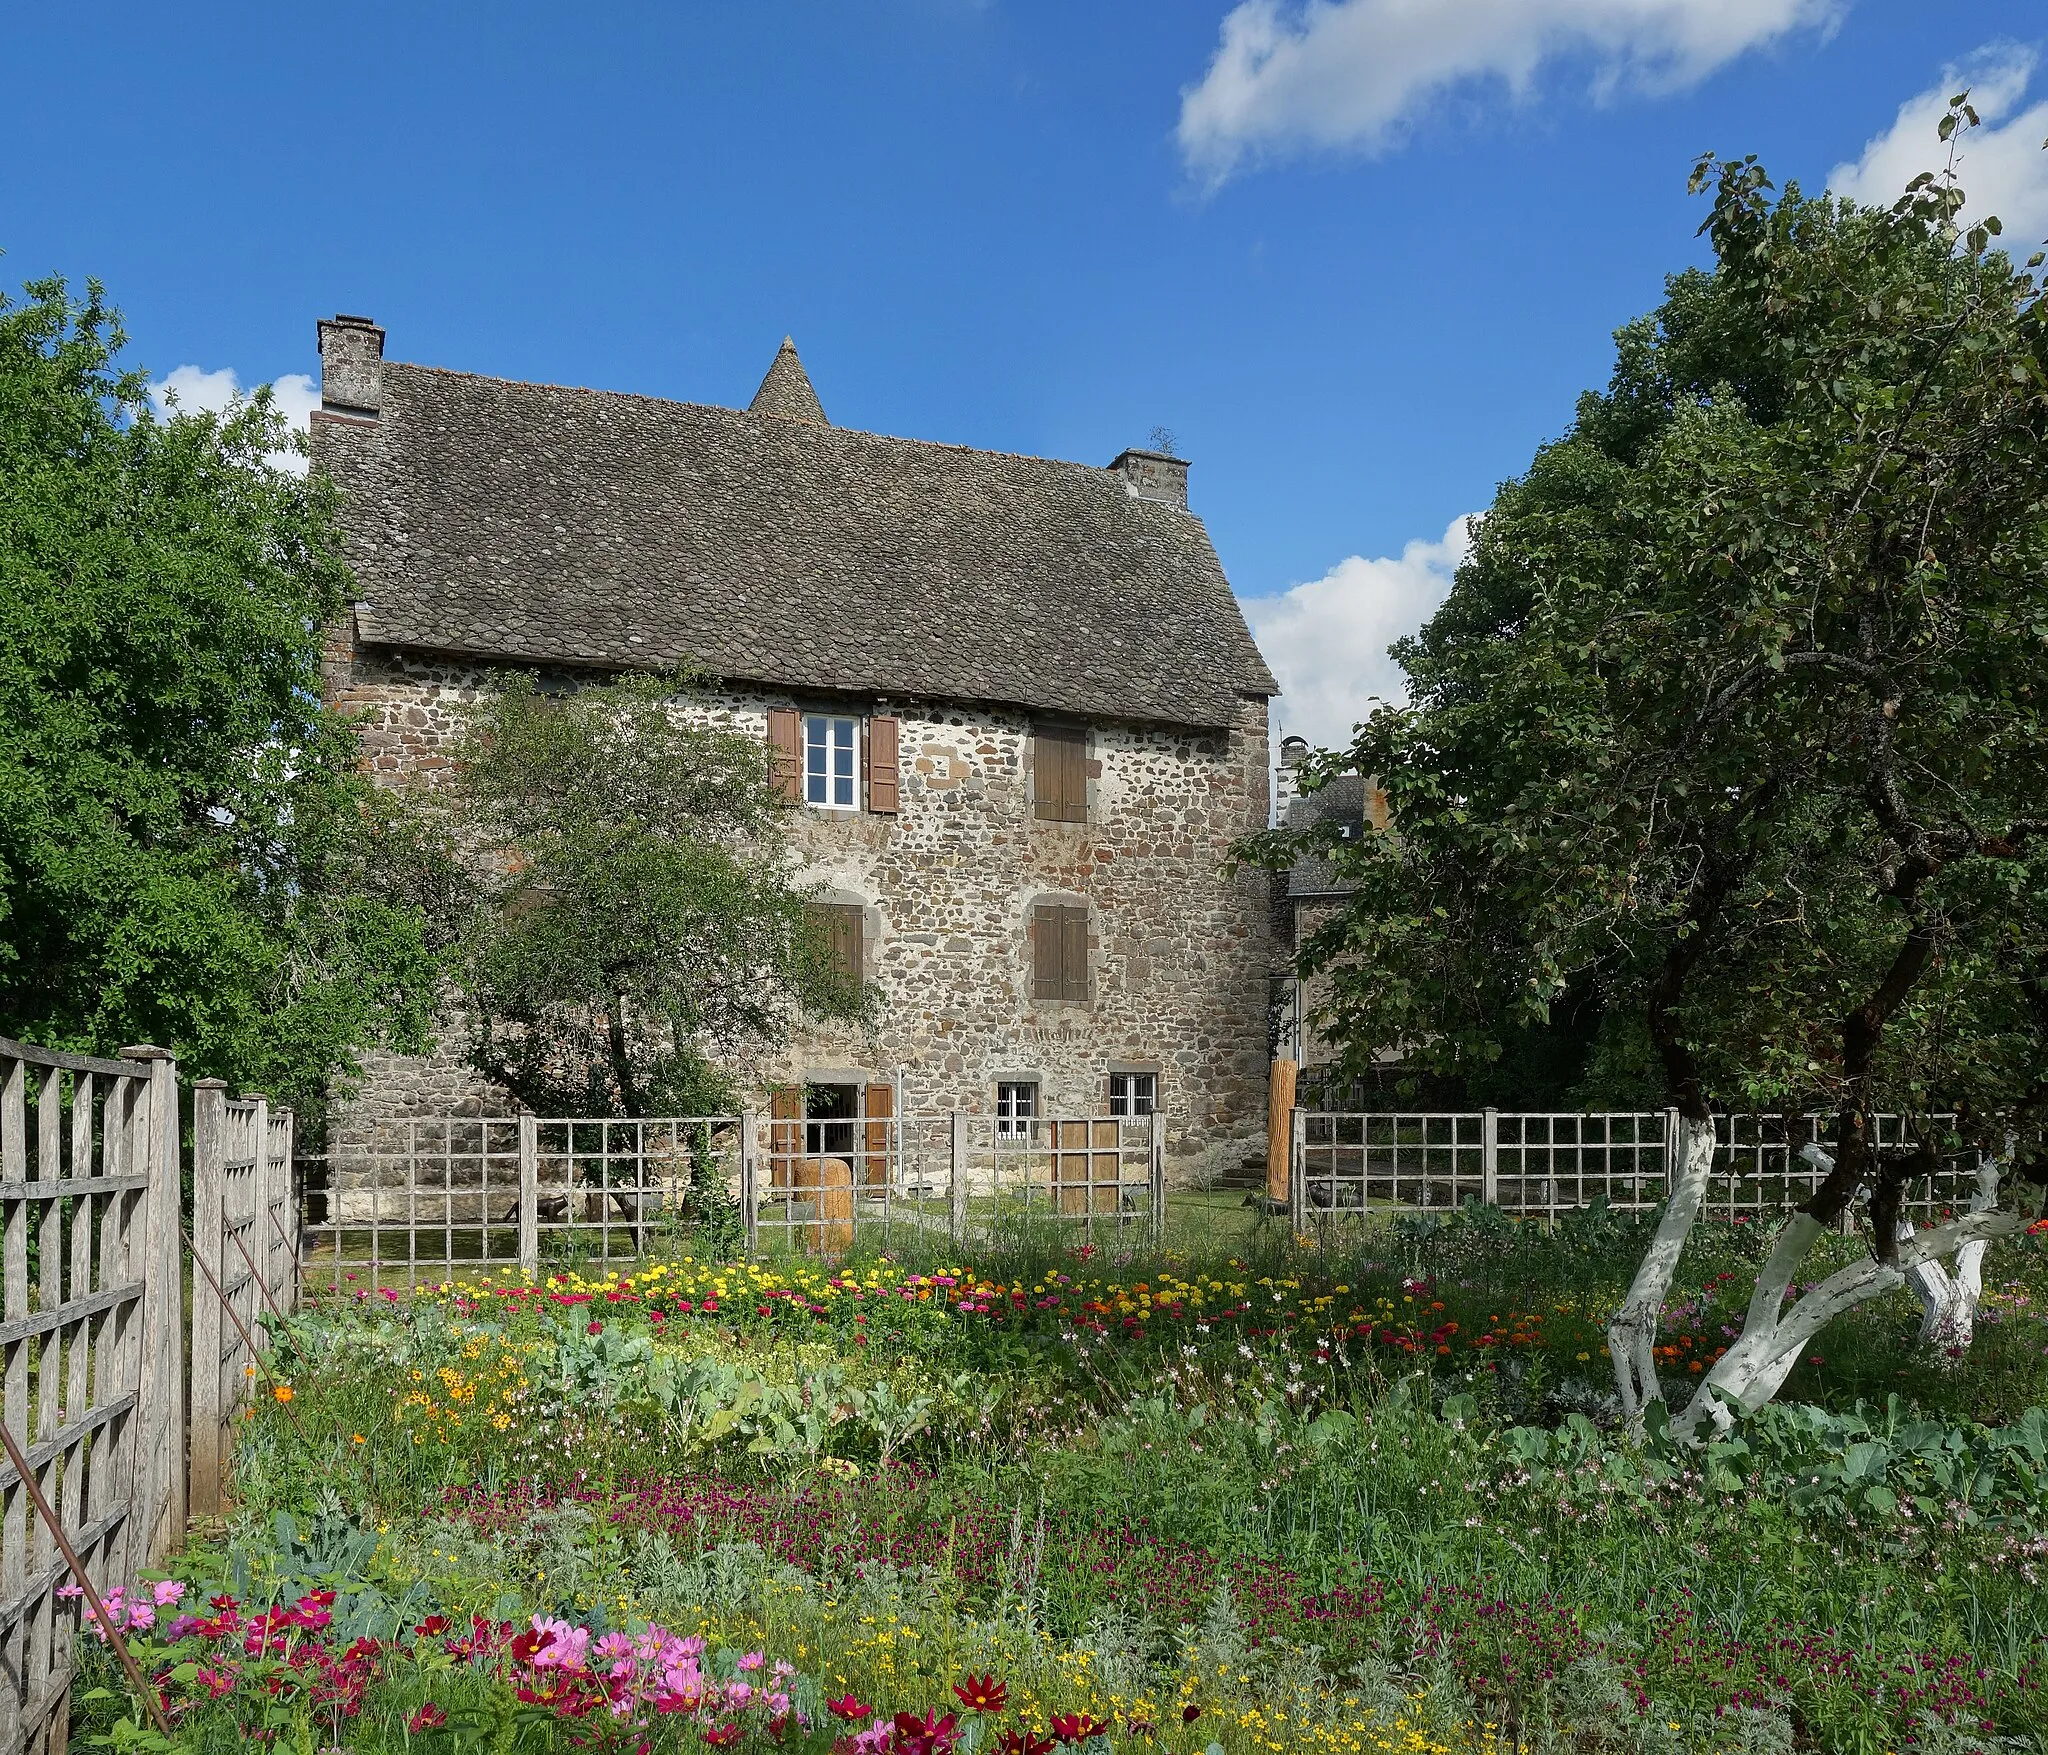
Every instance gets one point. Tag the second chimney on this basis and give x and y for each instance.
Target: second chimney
(1153, 475)
(351, 366)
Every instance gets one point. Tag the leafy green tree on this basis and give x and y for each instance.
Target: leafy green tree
(187, 852)
(1737, 719)
(629, 920)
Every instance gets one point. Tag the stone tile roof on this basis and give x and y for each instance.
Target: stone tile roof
(786, 391)
(533, 524)
(1343, 800)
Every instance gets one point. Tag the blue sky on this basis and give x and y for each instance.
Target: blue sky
(1359, 258)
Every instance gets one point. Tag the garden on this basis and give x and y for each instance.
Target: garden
(1068, 1497)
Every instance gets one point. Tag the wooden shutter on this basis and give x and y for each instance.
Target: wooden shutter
(1059, 767)
(786, 753)
(879, 1107)
(1074, 953)
(1059, 952)
(882, 744)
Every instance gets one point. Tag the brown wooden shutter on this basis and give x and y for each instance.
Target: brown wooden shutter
(785, 752)
(1045, 951)
(1074, 953)
(849, 941)
(882, 745)
(1059, 765)
(880, 1106)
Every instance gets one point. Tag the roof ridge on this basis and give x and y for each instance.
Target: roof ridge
(743, 414)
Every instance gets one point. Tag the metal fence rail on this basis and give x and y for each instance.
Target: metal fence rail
(430, 1198)
(1540, 1166)
(91, 1349)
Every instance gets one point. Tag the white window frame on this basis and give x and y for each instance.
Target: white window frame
(1129, 1090)
(1016, 1108)
(828, 737)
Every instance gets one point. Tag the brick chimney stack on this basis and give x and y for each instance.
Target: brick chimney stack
(351, 366)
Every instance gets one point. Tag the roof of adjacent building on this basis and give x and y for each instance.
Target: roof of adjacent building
(1348, 800)
(532, 524)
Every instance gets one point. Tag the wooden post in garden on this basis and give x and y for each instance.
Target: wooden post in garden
(750, 1177)
(209, 1189)
(1156, 1174)
(835, 1205)
(1280, 1131)
(159, 1425)
(956, 1206)
(1297, 1171)
(529, 1194)
(1489, 1157)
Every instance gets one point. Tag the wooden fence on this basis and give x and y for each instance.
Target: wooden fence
(425, 1199)
(91, 1350)
(244, 1233)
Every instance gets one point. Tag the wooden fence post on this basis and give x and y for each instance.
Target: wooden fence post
(529, 1194)
(1297, 1171)
(281, 1223)
(209, 1180)
(159, 1477)
(750, 1176)
(1156, 1175)
(1489, 1158)
(1280, 1132)
(956, 1205)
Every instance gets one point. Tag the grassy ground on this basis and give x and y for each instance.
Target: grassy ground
(1230, 1493)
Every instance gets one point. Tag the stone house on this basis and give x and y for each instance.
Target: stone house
(1015, 698)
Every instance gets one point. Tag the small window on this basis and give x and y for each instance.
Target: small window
(844, 925)
(1059, 773)
(1133, 1093)
(831, 746)
(1016, 1108)
(1059, 951)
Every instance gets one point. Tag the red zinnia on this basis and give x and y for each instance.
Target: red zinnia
(982, 1694)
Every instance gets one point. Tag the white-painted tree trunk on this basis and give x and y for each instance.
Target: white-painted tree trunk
(1755, 1368)
(1632, 1334)
(1948, 1302)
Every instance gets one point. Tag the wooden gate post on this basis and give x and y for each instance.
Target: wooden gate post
(209, 1179)
(750, 1176)
(1489, 1158)
(529, 1194)
(1156, 1174)
(1280, 1132)
(159, 1479)
(956, 1205)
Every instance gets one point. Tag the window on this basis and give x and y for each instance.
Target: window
(1133, 1093)
(1059, 951)
(1016, 1108)
(844, 925)
(1059, 773)
(831, 746)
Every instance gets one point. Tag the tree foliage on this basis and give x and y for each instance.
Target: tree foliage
(187, 852)
(1737, 715)
(629, 923)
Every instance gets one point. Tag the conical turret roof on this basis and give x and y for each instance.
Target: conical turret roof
(786, 392)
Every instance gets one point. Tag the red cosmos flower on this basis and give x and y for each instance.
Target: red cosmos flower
(1189, 1713)
(1077, 1727)
(1024, 1743)
(432, 1627)
(429, 1718)
(721, 1736)
(982, 1694)
(848, 1707)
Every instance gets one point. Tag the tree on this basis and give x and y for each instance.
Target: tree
(628, 917)
(1737, 716)
(187, 853)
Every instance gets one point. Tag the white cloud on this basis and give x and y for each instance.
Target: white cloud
(295, 393)
(1327, 640)
(1347, 73)
(2001, 165)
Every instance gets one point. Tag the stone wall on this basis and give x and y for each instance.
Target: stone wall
(1181, 946)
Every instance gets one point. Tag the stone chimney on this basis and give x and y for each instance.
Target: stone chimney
(351, 366)
(1153, 475)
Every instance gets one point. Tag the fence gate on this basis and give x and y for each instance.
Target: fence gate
(242, 1232)
(91, 1350)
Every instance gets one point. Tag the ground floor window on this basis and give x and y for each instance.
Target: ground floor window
(1016, 1108)
(1133, 1093)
